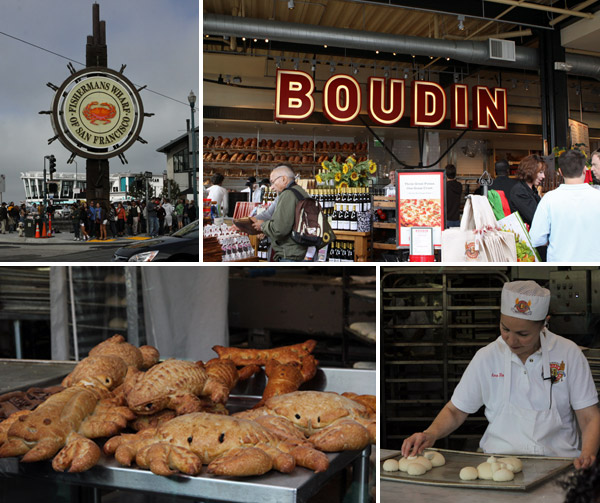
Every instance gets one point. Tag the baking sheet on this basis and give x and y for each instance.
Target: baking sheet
(536, 469)
(272, 487)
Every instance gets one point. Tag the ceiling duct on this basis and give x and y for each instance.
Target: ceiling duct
(467, 51)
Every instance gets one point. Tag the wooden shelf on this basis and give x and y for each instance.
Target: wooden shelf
(384, 225)
(385, 246)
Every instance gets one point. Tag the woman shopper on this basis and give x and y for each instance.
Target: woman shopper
(121, 218)
(84, 221)
(101, 220)
(112, 220)
(524, 197)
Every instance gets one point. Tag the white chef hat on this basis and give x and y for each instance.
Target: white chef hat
(526, 300)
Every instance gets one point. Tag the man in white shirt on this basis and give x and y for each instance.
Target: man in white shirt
(219, 194)
(568, 218)
(536, 387)
(596, 166)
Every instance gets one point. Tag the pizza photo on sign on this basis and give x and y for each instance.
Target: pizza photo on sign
(420, 213)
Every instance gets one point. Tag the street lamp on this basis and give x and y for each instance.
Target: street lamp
(192, 100)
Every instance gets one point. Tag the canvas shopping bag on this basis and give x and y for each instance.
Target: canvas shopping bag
(477, 214)
(462, 246)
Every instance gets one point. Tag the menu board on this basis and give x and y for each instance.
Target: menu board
(580, 136)
(420, 203)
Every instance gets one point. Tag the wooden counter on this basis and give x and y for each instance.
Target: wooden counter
(361, 243)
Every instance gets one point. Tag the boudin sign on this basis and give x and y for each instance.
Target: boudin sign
(97, 113)
(385, 102)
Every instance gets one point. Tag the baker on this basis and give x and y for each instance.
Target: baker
(536, 387)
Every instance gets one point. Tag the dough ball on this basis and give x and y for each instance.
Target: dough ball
(491, 459)
(425, 462)
(403, 464)
(484, 471)
(503, 475)
(513, 464)
(468, 473)
(416, 469)
(436, 458)
(497, 466)
(390, 465)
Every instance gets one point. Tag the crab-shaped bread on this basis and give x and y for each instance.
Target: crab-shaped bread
(65, 422)
(329, 421)
(229, 446)
(177, 384)
(141, 358)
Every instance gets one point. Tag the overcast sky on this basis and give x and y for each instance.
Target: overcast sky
(156, 39)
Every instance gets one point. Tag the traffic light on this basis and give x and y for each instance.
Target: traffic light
(52, 163)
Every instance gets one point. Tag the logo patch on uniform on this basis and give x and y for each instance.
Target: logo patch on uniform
(522, 307)
(557, 371)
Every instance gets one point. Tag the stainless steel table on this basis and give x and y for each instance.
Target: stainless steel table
(548, 492)
(271, 487)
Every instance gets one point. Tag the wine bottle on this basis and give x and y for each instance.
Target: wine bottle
(353, 219)
(334, 220)
(350, 252)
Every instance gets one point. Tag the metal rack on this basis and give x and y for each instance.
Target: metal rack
(24, 297)
(432, 323)
(101, 302)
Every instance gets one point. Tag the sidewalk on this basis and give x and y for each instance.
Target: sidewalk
(63, 238)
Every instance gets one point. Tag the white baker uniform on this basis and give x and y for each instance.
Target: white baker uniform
(523, 418)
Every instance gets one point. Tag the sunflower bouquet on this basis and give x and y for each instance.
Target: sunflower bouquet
(348, 173)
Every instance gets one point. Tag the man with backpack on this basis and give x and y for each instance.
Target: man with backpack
(288, 241)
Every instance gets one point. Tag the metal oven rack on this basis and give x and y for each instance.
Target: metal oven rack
(272, 487)
(432, 323)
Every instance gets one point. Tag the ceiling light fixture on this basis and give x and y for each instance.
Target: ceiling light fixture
(461, 22)
(290, 4)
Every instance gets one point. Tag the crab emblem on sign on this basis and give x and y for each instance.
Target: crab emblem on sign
(103, 112)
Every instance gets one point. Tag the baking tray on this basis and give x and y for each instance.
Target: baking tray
(536, 469)
(273, 487)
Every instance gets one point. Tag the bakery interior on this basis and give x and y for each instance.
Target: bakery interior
(433, 321)
(275, 330)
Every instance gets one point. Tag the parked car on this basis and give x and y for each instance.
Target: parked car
(181, 246)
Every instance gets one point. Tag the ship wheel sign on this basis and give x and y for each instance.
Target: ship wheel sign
(97, 113)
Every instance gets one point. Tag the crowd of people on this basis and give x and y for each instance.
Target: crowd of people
(99, 220)
(561, 223)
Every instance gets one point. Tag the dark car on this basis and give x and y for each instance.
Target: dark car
(181, 246)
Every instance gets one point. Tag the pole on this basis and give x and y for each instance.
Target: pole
(45, 189)
(192, 100)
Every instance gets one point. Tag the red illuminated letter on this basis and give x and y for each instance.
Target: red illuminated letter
(378, 111)
(429, 104)
(490, 109)
(294, 100)
(460, 106)
(334, 107)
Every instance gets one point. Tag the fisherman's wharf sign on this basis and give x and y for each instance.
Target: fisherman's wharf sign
(97, 113)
